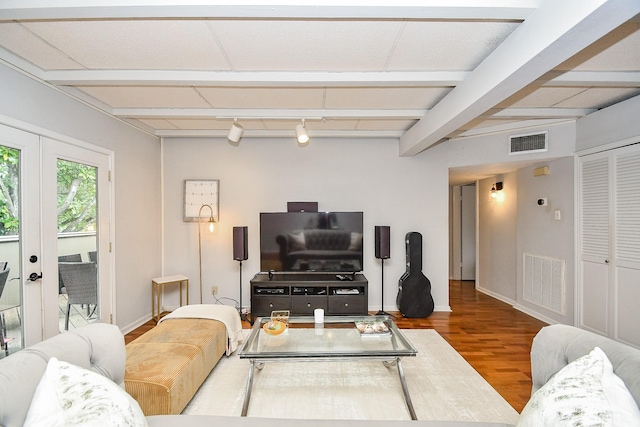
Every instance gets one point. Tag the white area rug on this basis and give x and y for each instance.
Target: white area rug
(442, 385)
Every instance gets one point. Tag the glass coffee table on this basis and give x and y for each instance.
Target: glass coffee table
(337, 339)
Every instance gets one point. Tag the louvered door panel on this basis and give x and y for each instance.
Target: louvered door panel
(627, 244)
(627, 210)
(595, 209)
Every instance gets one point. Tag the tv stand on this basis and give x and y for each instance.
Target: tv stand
(301, 293)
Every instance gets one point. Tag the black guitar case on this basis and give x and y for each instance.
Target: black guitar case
(414, 293)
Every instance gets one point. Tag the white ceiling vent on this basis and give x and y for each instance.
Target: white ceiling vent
(532, 142)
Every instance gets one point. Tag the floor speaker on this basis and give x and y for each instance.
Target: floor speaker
(240, 246)
(382, 239)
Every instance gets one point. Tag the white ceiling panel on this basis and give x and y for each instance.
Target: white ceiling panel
(384, 97)
(204, 124)
(598, 98)
(618, 50)
(158, 123)
(307, 45)
(18, 39)
(234, 97)
(542, 97)
(447, 45)
(148, 97)
(402, 125)
(143, 45)
(421, 73)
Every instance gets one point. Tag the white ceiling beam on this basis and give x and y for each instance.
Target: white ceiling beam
(252, 79)
(554, 33)
(298, 114)
(264, 113)
(189, 78)
(294, 9)
(280, 133)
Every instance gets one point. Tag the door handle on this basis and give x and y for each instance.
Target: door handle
(34, 276)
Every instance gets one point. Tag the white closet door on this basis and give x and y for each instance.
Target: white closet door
(595, 240)
(627, 244)
(609, 283)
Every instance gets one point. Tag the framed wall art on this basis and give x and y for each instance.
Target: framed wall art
(199, 192)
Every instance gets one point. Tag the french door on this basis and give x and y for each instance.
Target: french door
(54, 206)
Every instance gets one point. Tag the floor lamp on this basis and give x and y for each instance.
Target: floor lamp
(211, 226)
(240, 253)
(382, 251)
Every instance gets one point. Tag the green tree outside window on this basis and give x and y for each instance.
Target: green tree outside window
(76, 195)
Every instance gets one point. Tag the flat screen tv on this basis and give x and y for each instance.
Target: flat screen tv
(311, 241)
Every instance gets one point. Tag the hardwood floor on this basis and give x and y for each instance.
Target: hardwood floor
(492, 336)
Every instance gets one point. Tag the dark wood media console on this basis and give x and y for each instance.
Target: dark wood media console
(301, 293)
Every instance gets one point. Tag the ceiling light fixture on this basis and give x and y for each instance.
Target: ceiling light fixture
(301, 134)
(235, 133)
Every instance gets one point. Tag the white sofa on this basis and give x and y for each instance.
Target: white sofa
(100, 348)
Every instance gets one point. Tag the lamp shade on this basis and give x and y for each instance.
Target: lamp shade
(235, 133)
(301, 134)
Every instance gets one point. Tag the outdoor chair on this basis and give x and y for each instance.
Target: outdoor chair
(66, 258)
(81, 283)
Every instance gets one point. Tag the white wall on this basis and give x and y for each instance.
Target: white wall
(262, 175)
(40, 109)
(497, 230)
(507, 229)
(539, 233)
(609, 125)
(493, 149)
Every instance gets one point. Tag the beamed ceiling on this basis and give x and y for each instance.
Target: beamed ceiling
(420, 72)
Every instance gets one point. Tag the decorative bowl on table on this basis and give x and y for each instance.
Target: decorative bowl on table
(274, 327)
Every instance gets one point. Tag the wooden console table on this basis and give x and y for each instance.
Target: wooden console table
(157, 286)
(301, 293)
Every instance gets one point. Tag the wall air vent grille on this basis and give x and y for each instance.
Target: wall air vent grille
(528, 143)
(544, 283)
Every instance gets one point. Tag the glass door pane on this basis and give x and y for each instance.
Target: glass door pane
(11, 333)
(76, 233)
(77, 244)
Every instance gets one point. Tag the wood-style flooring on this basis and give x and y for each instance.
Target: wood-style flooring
(491, 335)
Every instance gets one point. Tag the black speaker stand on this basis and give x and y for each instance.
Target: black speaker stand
(381, 312)
(243, 316)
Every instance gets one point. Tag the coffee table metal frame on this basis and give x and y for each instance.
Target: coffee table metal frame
(337, 339)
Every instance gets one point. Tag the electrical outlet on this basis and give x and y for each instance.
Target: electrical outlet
(214, 290)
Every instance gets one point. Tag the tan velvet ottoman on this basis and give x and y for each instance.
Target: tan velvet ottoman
(167, 365)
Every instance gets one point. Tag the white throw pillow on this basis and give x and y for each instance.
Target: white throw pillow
(68, 395)
(586, 392)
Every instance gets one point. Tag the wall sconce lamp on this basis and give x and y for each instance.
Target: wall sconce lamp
(211, 223)
(235, 133)
(301, 134)
(494, 190)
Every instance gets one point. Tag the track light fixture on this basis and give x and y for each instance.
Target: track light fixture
(301, 134)
(235, 133)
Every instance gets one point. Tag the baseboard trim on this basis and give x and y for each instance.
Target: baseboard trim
(535, 314)
(496, 296)
(517, 306)
(135, 324)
